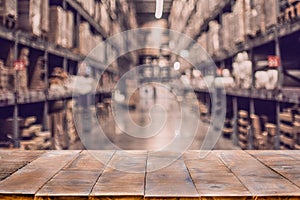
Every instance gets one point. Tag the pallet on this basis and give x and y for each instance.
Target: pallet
(242, 130)
(243, 114)
(243, 138)
(243, 145)
(286, 117)
(287, 130)
(289, 142)
(271, 129)
(227, 132)
(243, 122)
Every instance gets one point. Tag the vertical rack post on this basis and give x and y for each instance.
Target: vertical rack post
(251, 104)
(16, 111)
(235, 119)
(77, 29)
(65, 64)
(46, 105)
(280, 77)
(65, 67)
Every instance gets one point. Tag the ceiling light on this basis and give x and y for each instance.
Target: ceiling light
(159, 9)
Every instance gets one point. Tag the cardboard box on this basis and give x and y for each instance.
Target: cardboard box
(33, 16)
(70, 29)
(8, 8)
(57, 31)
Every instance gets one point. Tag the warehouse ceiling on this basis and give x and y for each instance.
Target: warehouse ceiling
(145, 10)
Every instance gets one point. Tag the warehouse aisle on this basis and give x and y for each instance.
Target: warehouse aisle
(148, 127)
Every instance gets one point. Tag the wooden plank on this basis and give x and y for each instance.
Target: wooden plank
(171, 181)
(123, 177)
(11, 161)
(78, 177)
(90, 160)
(33, 176)
(283, 162)
(212, 178)
(257, 178)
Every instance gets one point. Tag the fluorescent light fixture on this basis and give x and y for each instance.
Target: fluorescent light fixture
(159, 9)
(177, 66)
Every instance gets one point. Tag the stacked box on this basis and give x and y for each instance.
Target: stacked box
(205, 7)
(239, 15)
(33, 16)
(57, 25)
(271, 130)
(250, 14)
(45, 24)
(243, 129)
(31, 135)
(84, 32)
(70, 29)
(260, 18)
(71, 128)
(214, 38)
(259, 133)
(227, 30)
(60, 140)
(8, 9)
(105, 21)
(270, 13)
(87, 40)
(37, 81)
(4, 78)
(290, 128)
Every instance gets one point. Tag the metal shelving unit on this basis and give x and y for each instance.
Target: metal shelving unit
(277, 97)
(67, 58)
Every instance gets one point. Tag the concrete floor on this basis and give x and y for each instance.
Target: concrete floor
(155, 124)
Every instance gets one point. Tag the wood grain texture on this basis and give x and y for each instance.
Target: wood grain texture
(123, 177)
(78, 177)
(171, 181)
(208, 175)
(212, 178)
(285, 163)
(11, 161)
(256, 177)
(33, 176)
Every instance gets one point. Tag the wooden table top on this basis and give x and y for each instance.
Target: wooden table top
(79, 175)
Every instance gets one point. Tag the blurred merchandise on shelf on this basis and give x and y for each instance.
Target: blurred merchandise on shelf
(87, 40)
(33, 16)
(214, 38)
(59, 32)
(37, 81)
(57, 123)
(242, 71)
(22, 74)
(266, 79)
(243, 129)
(289, 128)
(8, 13)
(58, 80)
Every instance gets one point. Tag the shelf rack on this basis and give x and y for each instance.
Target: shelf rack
(278, 97)
(68, 59)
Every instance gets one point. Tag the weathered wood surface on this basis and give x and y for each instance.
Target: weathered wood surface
(138, 175)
